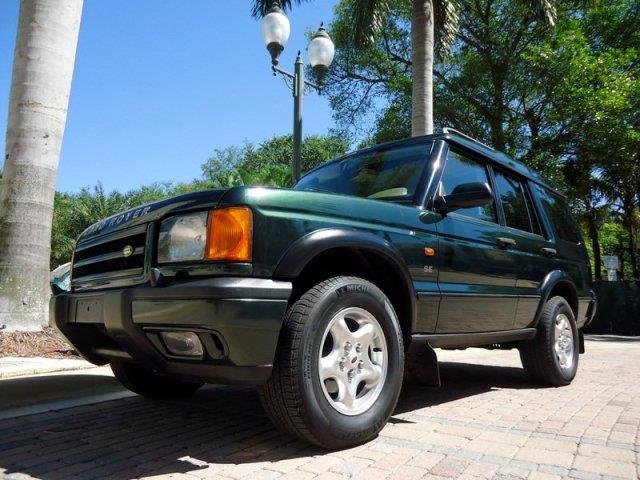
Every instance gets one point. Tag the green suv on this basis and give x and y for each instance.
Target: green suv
(323, 295)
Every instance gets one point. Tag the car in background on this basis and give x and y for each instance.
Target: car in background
(60, 278)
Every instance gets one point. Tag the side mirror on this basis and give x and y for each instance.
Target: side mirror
(465, 195)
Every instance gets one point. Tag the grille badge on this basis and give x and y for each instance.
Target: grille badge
(127, 251)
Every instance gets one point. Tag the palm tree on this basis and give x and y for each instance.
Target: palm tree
(427, 18)
(260, 8)
(41, 82)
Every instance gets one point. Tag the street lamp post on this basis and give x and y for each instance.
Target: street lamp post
(275, 33)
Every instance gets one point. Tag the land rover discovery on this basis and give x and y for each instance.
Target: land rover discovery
(320, 294)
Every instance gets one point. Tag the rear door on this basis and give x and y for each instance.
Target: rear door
(565, 237)
(530, 249)
(476, 273)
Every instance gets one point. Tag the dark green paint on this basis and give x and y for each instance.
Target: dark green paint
(471, 285)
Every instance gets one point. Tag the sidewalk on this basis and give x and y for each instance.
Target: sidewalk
(11, 367)
(58, 390)
(487, 421)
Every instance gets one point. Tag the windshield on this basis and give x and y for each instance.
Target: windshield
(392, 174)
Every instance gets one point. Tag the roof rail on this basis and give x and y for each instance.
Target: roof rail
(458, 132)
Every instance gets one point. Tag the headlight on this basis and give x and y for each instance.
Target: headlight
(183, 238)
(224, 234)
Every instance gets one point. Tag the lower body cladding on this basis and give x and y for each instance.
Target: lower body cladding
(218, 330)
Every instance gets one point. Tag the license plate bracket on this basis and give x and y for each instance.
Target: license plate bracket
(89, 310)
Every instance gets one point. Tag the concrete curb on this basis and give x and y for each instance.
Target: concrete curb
(12, 367)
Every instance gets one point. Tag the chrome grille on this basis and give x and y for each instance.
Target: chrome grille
(104, 256)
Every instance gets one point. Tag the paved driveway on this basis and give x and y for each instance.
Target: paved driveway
(487, 421)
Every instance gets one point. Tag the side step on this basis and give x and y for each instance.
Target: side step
(449, 340)
(421, 361)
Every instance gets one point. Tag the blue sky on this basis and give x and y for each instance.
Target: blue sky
(159, 85)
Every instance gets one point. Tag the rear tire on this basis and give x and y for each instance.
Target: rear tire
(552, 356)
(149, 384)
(339, 365)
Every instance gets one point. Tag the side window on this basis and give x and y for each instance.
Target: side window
(558, 212)
(459, 170)
(516, 204)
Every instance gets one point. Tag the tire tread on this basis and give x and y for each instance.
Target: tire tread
(537, 354)
(281, 396)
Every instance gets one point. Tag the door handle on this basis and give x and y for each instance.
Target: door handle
(504, 242)
(549, 252)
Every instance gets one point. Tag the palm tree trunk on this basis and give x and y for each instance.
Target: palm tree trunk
(620, 252)
(595, 246)
(422, 39)
(42, 71)
(627, 221)
(632, 250)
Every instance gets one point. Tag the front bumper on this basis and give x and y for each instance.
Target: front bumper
(237, 319)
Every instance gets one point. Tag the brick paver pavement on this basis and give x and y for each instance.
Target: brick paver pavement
(487, 421)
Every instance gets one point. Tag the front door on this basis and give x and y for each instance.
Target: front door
(476, 271)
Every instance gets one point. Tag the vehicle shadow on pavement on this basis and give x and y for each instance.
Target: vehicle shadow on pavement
(612, 338)
(219, 426)
(462, 380)
(21, 392)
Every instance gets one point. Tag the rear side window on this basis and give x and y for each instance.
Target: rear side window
(459, 170)
(560, 215)
(516, 204)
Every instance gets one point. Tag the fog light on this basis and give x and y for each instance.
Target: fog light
(183, 344)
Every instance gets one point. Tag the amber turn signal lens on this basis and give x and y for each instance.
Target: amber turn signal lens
(230, 234)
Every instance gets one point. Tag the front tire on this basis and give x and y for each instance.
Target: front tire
(149, 384)
(552, 356)
(339, 366)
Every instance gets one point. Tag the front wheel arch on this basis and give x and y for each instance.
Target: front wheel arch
(343, 251)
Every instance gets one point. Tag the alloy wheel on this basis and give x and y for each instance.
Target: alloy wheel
(564, 344)
(353, 360)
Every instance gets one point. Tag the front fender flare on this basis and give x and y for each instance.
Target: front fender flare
(305, 249)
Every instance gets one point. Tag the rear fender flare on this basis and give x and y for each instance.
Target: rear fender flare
(554, 278)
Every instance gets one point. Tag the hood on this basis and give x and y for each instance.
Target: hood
(153, 211)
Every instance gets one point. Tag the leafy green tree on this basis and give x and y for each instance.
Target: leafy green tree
(589, 203)
(74, 212)
(401, 34)
(610, 136)
(497, 85)
(269, 163)
(614, 241)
